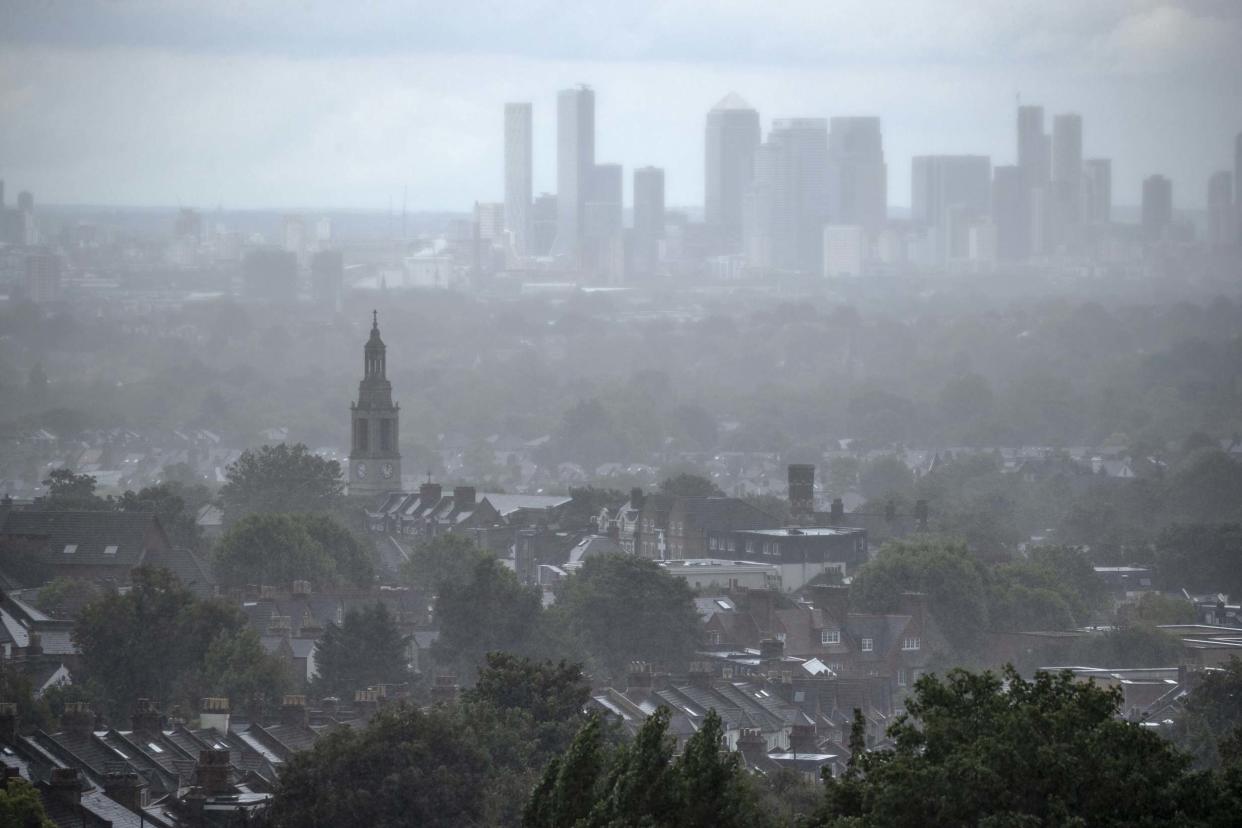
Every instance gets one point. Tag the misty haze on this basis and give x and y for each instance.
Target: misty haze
(814, 414)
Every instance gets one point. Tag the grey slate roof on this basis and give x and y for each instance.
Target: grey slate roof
(91, 533)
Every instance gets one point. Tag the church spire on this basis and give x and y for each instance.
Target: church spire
(374, 352)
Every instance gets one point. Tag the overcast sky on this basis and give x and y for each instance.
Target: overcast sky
(317, 104)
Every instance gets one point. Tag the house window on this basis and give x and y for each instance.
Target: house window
(829, 636)
(780, 636)
(713, 638)
(70, 548)
(910, 644)
(901, 678)
(711, 544)
(110, 550)
(836, 667)
(868, 644)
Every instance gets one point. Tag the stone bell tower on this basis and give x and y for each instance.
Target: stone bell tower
(374, 460)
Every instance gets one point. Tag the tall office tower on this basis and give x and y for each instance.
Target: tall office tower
(732, 138)
(1221, 225)
(1157, 207)
(857, 175)
(949, 193)
(543, 217)
(489, 218)
(293, 234)
(575, 166)
(1237, 184)
(1009, 205)
(519, 175)
(42, 275)
(603, 250)
(648, 219)
(1067, 184)
(327, 269)
(789, 197)
(1034, 157)
(1097, 176)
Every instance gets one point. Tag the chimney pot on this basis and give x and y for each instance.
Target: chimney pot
(463, 497)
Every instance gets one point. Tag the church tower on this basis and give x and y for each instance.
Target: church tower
(374, 461)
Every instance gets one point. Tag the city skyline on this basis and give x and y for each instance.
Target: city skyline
(354, 125)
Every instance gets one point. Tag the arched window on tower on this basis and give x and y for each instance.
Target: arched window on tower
(385, 435)
(360, 434)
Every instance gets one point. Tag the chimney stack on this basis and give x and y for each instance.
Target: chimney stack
(752, 746)
(213, 714)
(638, 680)
(213, 771)
(125, 788)
(801, 490)
(65, 786)
(771, 650)
(637, 498)
(463, 497)
(837, 516)
(429, 495)
(366, 702)
(802, 739)
(8, 723)
(77, 719)
(700, 675)
(293, 711)
(146, 718)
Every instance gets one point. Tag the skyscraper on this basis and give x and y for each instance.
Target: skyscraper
(603, 252)
(1098, 190)
(732, 138)
(857, 175)
(1157, 207)
(648, 219)
(789, 198)
(575, 166)
(519, 160)
(1009, 205)
(1067, 179)
(1222, 229)
(1034, 158)
(949, 193)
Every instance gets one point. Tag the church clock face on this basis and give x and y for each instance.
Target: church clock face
(387, 471)
(360, 471)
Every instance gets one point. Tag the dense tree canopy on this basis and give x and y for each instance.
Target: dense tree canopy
(983, 749)
(489, 611)
(175, 504)
(442, 559)
(622, 609)
(281, 548)
(364, 650)
(20, 806)
(281, 478)
(159, 641)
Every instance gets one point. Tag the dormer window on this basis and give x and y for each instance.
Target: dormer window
(829, 636)
(110, 549)
(868, 644)
(909, 644)
(70, 548)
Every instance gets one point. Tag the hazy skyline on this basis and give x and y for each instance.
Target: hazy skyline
(301, 104)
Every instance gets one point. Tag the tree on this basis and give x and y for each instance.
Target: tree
(491, 611)
(1155, 608)
(21, 807)
(282, 548)
(983, 749)
(714, 790)
(65, 597)
(1130, 645)
(885, 477)
(689, 485)
(167, 501)
(943, 570)
(67, 491)
(406, 767)
(567, 792)
(1201, 557)
(1213, 714)
(553, 696)
(623, 609)
(236, 667)
(442, 559)
(366, 649)
(281, 478)
(153, 641)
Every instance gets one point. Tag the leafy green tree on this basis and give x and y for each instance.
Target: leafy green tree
(689, 485)
(21, 807)
(281, 478)
(366, 649)
(65, 597)
(886, 476)
(167, 501)
(640, 788)
(552, 695)
(236, 667)
(1212, 715)
(945, 571)
(442, 559)
(406, 767)
(1130, 645)
(1156, 608)
(282, 548)
(622, 609)
(1201, 557)
(67, 491)
(567, 792)
(983, 749)
(491, 611)
(714, 790)
(153, 641)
